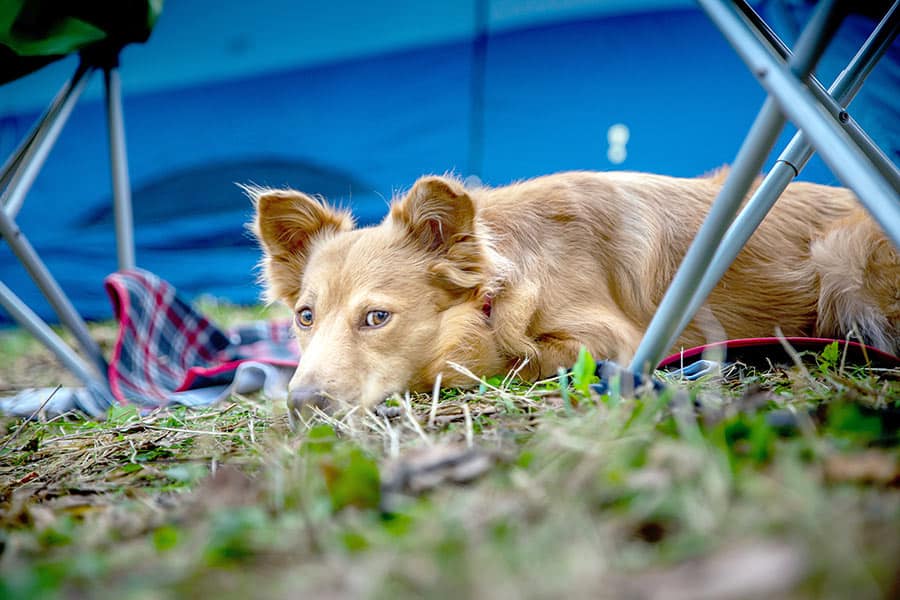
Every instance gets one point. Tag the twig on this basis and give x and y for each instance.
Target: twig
(190, 431)
(507, 381)
(206, 415)
(541, 382)
(469, 434)
(463, 370)
(394, 439)
(374, 422)
(435, 395)
(26, 421)
(61, 416)
(795, 356)
(407, 405)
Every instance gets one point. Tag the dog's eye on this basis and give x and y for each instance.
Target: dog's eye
(304, 317)
(377, 318)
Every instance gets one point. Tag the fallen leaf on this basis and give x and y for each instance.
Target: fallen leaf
(752, 570)
(228, 488)
(26, 479)
(428, 467)
(875, 467)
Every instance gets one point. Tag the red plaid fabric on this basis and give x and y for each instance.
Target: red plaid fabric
(165, 346)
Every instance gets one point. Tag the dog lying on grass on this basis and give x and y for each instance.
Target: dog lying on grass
(488, 278)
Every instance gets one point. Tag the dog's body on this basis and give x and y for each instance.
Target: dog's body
(489, 277)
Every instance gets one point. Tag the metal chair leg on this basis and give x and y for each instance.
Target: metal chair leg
(68, 316)
(17, 176)
(845, 159)
(39, 329)
(22, 172)
(22, 169)
(51, 114)
(746, 166)
(119, 166)
(788, 165)
(889, 24)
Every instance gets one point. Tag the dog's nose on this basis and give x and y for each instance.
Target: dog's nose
(307, 395)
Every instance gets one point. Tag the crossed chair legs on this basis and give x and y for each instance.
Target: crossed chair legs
(824, 124)
(16, 178)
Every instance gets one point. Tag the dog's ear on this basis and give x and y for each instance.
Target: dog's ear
(439, 215)
(286, 223)
(437, 211)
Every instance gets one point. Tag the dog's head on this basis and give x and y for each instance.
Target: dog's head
(378, 310)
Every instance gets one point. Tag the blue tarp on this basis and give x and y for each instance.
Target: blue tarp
(360, 128)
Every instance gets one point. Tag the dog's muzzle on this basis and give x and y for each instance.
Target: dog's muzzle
(308, 396)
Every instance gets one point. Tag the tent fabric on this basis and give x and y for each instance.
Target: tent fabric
(361, 129)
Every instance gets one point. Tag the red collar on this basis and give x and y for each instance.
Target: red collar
(488, 306)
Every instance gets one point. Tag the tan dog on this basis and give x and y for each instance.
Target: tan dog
(488, 278)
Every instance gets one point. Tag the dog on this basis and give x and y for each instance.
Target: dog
(522, 276)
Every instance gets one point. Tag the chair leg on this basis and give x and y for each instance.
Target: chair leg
(746, 166)
(36, 326)
(51, 114)
(885, 33)
(15, 159)
(68, 316)
(21, 172)
(23, 167)
(846, 160)
(788, 165)
(119, 166)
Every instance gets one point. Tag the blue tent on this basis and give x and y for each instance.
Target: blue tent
(354, 100)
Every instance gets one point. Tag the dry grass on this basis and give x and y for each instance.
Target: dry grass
(775, 484)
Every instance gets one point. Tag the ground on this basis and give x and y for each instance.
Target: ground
(775, 484)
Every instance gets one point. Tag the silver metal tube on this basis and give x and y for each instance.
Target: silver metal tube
(746, 166)
(855, 73)
(15, 159)
(39, 128)
(19, 311)
(51, 290)
(119, 166)
(789, 164)
(835, 147)
(885, 32)
(850, 80)
(29, 165)
(879, 159)
(750, 158)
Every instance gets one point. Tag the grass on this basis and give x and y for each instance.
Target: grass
(776, 484)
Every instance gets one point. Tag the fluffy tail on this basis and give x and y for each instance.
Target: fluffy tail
(859, 276)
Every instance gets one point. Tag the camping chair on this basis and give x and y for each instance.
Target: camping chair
(824, 125)
(34, 33)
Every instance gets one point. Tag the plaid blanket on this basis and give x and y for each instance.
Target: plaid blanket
(166, 352)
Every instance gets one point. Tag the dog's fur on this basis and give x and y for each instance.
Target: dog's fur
(490, 277)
